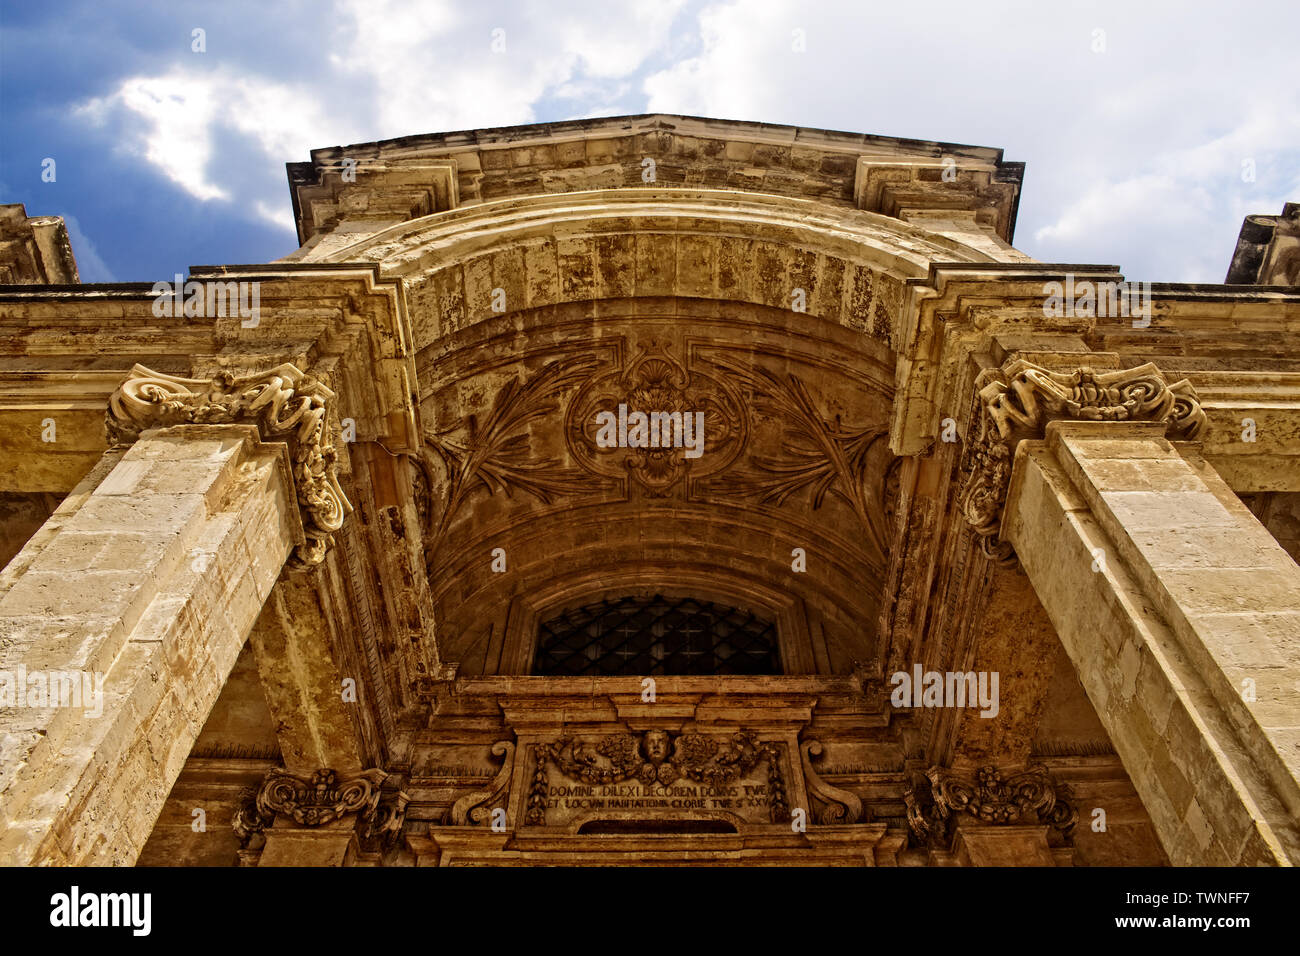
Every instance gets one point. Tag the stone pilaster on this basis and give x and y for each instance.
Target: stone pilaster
(1181, 615)
(975, 845)
(129, 607)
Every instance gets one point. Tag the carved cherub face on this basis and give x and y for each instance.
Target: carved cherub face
(655, 744)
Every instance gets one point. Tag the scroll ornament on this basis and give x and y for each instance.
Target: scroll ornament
(1017, 402)
(476, 807)
(841, 806)
(285, 404)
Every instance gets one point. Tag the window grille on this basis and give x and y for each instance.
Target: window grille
(631, 636)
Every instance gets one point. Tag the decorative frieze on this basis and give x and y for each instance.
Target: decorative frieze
(284, 403)
(1018, 400)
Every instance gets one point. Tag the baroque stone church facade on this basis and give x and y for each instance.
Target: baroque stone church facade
(650, 490)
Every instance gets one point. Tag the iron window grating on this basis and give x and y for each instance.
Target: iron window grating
(635, 636)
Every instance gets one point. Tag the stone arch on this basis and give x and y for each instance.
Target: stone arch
(507, 256)
(565, 525)
(510, 295)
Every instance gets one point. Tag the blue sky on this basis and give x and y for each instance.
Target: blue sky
(1140, 122)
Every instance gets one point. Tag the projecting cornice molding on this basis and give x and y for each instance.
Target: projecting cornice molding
(284, 403)
(1017, 401)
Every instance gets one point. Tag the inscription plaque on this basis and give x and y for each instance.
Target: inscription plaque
(657, 774)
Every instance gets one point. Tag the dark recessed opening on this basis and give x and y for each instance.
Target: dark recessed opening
(637, 636)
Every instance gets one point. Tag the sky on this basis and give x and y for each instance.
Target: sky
(1149, 129)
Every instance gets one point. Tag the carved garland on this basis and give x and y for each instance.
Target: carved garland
(1017, 402)
(285, 404)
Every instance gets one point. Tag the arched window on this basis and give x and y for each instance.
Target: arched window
(632, 636)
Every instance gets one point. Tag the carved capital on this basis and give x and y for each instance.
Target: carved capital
(991, 796)
(321, 798)
(285, 404)
(317, 799)
(1017, 402)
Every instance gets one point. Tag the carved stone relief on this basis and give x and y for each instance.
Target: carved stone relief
(992, 796)
(818, 454)
(285, 404)
(658, 771)
(838, 806)
(476, 807)
(322, 798)
(653, 382)
(1018, 400)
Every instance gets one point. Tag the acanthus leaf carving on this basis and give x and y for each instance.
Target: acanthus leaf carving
(494, 453)
(284, 404)
(820, 455)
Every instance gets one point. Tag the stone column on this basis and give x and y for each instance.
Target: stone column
(123, 616)
(288, 844)
(1182, 617)
(976, 845)
(130, 606)
(1178, 610)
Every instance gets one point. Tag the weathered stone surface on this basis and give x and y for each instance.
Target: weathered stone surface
(157, 630)
(1182, 651)
(836, 306)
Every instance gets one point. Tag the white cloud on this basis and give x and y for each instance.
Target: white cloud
(1134, 155)
(1200, 191)
(179, 116)
(404, 68)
